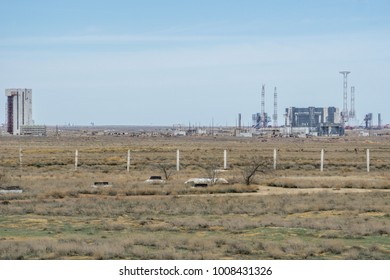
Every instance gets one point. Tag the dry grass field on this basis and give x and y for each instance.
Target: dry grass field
(293, 212)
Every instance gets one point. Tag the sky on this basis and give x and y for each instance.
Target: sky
(146, 62)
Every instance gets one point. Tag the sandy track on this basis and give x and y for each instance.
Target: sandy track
(266, 190)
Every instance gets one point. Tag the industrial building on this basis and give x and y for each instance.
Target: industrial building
(18, 109)
(33, 130)
(314, 121)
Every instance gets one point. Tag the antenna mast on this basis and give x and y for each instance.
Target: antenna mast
(352, 113)
(345, 105)
(275, 115)
(262, 112)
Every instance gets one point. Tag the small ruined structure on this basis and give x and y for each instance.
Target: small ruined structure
(10, 189)
(155, 180)
(101, 184)
(205, 182)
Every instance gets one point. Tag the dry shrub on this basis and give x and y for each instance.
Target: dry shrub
(159, 227)
(192, 223)
(353, 253)
(296, 248)
(4, 178)
(139, 252)
(329, 182)
(150, 240)
(55, 194)
(274, 250)
(253, 166)
(334, 247)
(200, 245)
(366, 227)
(219, 242)
(238, 224)
(238, 248)
(113, 226)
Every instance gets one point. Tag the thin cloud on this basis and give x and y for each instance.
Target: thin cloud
(104, 39)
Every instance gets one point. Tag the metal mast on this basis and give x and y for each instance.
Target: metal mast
(352, 113)
(262, 112)
(345, 106)
(275, 115)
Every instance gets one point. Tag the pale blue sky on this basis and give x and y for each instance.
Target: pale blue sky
(168, 62)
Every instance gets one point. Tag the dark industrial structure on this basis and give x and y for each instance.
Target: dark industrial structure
(313, 120)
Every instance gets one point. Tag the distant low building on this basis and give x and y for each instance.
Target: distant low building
(33, 130)
(179, 133)
(245, 134)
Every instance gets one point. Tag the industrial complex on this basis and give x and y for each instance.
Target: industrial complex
(298, 121)
(314, 121)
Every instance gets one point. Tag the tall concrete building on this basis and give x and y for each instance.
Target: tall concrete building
(19, 109)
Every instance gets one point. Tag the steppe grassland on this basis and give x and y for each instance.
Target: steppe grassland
(59, 215)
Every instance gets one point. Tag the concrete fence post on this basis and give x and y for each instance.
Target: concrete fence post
(76, 160)
(20, 157)
(275, 157)
(177, 160)
(128, 160)
(368, 160)
(225, 159)
(322, 160)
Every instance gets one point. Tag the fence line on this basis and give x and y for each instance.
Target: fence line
(111, 157)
